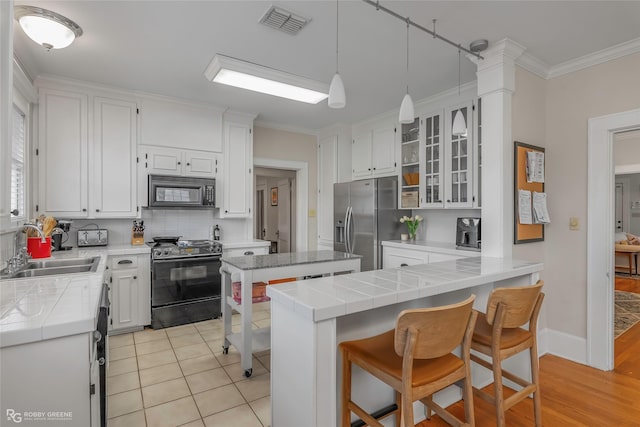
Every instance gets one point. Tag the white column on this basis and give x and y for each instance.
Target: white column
(496, 85)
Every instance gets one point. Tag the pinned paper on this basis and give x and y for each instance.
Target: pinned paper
(524, 207)
(535, 166)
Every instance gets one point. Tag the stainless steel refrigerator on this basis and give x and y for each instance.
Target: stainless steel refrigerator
(365, 213)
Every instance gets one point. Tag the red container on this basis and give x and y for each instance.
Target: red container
(37, 249)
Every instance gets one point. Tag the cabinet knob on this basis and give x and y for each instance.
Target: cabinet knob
(188, 164)
(374, 168)
(448, 201)
(97, 210)
(226, 211)
(179, 163)
(369, 169)
(135, 277)
(84, 210)
(15, 212)
(404, 265)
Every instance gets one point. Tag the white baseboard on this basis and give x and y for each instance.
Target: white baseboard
(563, 345)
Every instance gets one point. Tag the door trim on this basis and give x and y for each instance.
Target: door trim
(600, 186)
(302, 199)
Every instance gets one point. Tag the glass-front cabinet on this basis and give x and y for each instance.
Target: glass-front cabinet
(410, 161)
(440, 169)
(433, 155)
(459, 160)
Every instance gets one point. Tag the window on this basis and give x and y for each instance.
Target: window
(18, 164)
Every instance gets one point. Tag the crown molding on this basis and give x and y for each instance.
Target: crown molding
(287, 128)
(534, 65)
(542, 69)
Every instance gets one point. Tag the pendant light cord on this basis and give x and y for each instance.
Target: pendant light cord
(337, 29)
(407, 55)
(458, 72)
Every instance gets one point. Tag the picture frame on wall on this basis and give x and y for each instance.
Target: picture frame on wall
(274, 196)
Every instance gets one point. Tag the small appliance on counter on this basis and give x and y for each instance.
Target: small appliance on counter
(468, 234)
(92, 237)
(60, 235)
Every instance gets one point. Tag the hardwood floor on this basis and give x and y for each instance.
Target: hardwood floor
(575, 394)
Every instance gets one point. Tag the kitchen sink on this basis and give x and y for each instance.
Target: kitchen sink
(50, 271)
(51, 267)
(61, 262)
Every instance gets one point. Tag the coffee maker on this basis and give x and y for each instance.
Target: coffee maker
(468, 233)
(60, 235)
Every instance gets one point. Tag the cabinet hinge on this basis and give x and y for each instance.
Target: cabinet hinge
(473, 198)
(473, 107)
(37, 208)
(37, 152)
(137, 159)
(92, 389)
(146, 155)
(137, 111)
(111, 321)
(110, 279)
(250, 130)
(395, 164)
(137, 208)
(395, 130)
(249, 171)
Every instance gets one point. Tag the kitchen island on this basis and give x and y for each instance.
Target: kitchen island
(310, 318)
(262, 268)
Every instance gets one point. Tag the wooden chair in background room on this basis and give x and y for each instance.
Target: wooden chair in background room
(415, 359)
(500, 334)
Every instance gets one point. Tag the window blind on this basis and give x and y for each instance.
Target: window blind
(18, 171)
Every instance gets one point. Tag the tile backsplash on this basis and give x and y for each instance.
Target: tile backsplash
(190, 224)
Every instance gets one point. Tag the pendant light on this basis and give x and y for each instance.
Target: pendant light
(407, 114)
(337, 98)
(459, 127)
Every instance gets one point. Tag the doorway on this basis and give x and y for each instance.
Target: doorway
(275, 202)
(600, 234)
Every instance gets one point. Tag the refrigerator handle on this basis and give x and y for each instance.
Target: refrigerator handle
(347, 217)
(351, 231)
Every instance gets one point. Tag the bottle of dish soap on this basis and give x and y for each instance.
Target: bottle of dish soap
(216, 233)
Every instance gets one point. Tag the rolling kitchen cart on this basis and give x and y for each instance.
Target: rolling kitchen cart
(262, 268)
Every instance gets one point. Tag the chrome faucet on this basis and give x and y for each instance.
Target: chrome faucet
(20, 256)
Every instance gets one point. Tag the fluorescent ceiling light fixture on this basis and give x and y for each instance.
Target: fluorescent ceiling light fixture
(49, 29)
(246, 75)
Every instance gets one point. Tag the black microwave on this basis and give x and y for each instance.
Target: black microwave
(167, 191)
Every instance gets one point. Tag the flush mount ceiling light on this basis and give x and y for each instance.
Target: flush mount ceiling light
(246, 75)
(49, 29)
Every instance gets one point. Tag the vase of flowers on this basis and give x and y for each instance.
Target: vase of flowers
(412, 225)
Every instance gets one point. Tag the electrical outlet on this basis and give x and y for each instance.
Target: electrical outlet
(574, 224)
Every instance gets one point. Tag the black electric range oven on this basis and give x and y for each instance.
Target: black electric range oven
(185, 281)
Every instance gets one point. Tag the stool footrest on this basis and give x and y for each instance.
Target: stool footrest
(380, 413)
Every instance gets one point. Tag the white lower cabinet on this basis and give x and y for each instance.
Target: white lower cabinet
(393, 257)
(130, 293)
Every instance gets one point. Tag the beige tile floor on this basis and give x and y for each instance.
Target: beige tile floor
(180, 377)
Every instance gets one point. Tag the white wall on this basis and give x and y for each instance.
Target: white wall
(626, 148)
(571, 100)
(291, 146)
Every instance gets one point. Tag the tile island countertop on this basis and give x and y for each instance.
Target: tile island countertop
(309, 318)
(257, 262)
(40, 308)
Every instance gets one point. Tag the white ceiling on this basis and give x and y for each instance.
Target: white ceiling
(163, 47)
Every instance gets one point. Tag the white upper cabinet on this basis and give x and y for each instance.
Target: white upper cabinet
(433, 151)
(373, 151)
(170, 123)
(173, 161)
(237, 185)
(114, 159)
(327, 176)
(82, 174)
(63, 154)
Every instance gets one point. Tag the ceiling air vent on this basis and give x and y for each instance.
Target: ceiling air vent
(283, 20)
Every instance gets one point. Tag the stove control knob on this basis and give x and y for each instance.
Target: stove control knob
(157, 252)
(166, 251)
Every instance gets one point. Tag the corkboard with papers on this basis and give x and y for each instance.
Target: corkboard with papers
(525, 180)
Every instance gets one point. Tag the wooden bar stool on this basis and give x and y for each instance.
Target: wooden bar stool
(415, 359)
(500, 334)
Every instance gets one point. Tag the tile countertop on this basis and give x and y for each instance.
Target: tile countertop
(40, 308)
(329, 297)
(431, 246)
(257, 262)
(235, 244)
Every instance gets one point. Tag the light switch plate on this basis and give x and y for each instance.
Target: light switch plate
(574, 223)
(99, 237)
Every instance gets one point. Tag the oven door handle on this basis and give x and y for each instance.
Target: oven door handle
(194, 258)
